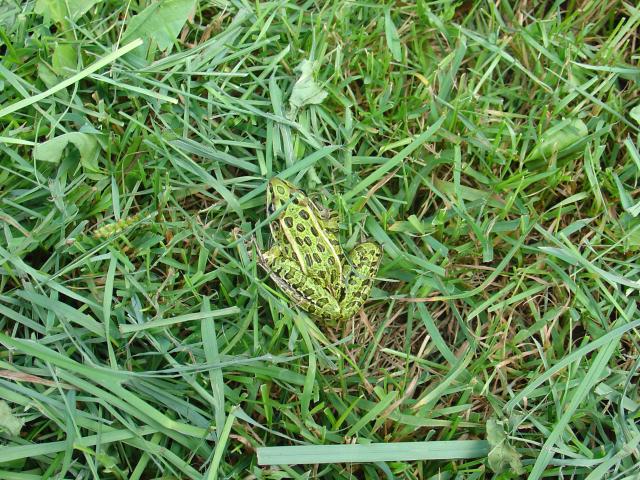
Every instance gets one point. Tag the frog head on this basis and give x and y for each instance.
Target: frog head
(280, 192)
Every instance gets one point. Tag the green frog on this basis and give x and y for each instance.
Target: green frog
(307, 262)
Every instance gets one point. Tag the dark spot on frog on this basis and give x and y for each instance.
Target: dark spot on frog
(307, 240)
(331, 260)
(304, 214)
(314, 232)
(288, 221)
(300, 242)
(320, 248)
(316, 257)
(308, 260)
(308, 292)
(300, 227)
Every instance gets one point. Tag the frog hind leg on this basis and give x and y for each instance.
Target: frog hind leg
(303, 289)
(360, 271)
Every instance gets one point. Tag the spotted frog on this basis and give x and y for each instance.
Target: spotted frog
(307, 262)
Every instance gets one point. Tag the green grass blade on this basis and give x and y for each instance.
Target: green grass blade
(376, 452)
(103, 62)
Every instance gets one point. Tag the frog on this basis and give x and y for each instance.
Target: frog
(307, 261)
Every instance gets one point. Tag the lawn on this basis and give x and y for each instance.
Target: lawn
(490, 147)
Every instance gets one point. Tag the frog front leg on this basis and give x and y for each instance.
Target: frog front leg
(300, 287)
(360, 269)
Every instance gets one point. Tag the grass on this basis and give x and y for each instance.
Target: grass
(491, 147)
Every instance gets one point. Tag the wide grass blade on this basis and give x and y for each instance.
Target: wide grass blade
(376, 452)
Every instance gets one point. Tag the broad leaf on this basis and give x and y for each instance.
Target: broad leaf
(160, 22)
(60, 10)
(306, 91)
(8, 422)
(559, 139)
(64, 59)
(502, 455)
(51, 150)
(9, 10)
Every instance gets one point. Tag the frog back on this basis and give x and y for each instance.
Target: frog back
(314, 248)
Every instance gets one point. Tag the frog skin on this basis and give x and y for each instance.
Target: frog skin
(307, 262)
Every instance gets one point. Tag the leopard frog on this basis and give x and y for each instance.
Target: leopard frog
(307, 262)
